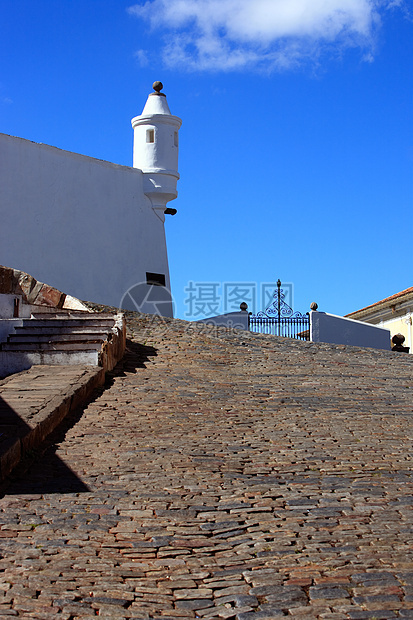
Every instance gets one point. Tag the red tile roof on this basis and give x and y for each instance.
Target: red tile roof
(406, 293)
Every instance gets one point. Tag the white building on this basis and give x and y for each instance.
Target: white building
(395, 313)
(90, 228)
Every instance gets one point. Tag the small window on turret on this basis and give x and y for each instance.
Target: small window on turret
(176, 138)
(150, 135)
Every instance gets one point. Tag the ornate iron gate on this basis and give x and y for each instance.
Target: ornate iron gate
(280, 319)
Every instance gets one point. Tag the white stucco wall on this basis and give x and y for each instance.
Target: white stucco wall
(233, 320)
(339, 330)
(7, 305)
(79, 224)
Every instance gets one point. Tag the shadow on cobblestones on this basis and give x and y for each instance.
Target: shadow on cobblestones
(48, 474)
(136, 356)
(44, 471)
(11, 426)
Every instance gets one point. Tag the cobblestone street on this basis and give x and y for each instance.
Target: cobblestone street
(221, 475)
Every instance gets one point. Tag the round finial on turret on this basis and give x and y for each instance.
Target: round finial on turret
(157, 86)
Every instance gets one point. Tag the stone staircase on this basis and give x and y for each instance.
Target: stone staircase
(57, 337)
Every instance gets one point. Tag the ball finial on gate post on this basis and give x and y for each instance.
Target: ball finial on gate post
(243, 306)
(313, 306)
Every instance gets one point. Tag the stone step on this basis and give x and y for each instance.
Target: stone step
(62, 322)
(66, 329)
(63, 338)
(48, 310)
(81, 329)
(65, 314)
(89, 345)
(57, 337)
(16, 361)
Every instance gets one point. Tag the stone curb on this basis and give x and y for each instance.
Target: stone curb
(47, 418)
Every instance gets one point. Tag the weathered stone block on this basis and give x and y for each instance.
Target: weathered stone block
(23, 283)
(49, 296)
(35, 290)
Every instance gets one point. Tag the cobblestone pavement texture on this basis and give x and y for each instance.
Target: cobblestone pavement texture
(221, 475)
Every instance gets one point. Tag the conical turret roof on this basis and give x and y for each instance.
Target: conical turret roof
(156, 102)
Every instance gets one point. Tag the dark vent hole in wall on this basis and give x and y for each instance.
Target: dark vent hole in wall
(158, 279)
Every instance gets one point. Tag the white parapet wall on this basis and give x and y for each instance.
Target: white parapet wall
(232, 320)
(335, 329)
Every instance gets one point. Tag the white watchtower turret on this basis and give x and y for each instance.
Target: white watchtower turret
(155, 150)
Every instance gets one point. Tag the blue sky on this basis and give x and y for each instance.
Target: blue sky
(296, 149)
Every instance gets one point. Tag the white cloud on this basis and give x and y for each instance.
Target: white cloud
(272, 34)
(142, 58)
